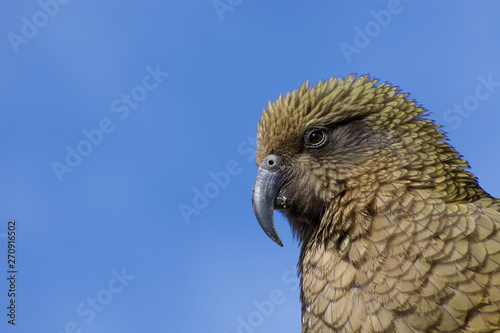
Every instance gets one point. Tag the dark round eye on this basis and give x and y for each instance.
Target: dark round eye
(315, 137)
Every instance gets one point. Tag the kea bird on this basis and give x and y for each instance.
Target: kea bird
(396, 234)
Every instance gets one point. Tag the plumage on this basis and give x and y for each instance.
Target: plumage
(396, 234)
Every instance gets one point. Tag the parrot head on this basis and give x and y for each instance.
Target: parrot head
(346, 137)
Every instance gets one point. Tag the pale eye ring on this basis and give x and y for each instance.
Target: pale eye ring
(315, 138)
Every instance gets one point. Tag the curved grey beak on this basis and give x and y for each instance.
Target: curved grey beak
(265, 191)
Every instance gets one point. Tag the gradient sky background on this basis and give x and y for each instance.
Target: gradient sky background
(215, 271)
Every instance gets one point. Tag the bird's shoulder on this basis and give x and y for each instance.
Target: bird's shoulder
(422, 264)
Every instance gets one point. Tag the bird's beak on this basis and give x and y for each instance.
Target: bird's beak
(265, 195)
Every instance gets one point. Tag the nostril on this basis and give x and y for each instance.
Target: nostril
(272, 162)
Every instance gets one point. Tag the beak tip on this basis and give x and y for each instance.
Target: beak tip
(273, 234)
(270, 231)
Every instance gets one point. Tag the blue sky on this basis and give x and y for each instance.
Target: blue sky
(160, 100)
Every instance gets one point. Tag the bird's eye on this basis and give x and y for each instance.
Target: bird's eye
(315, 138)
